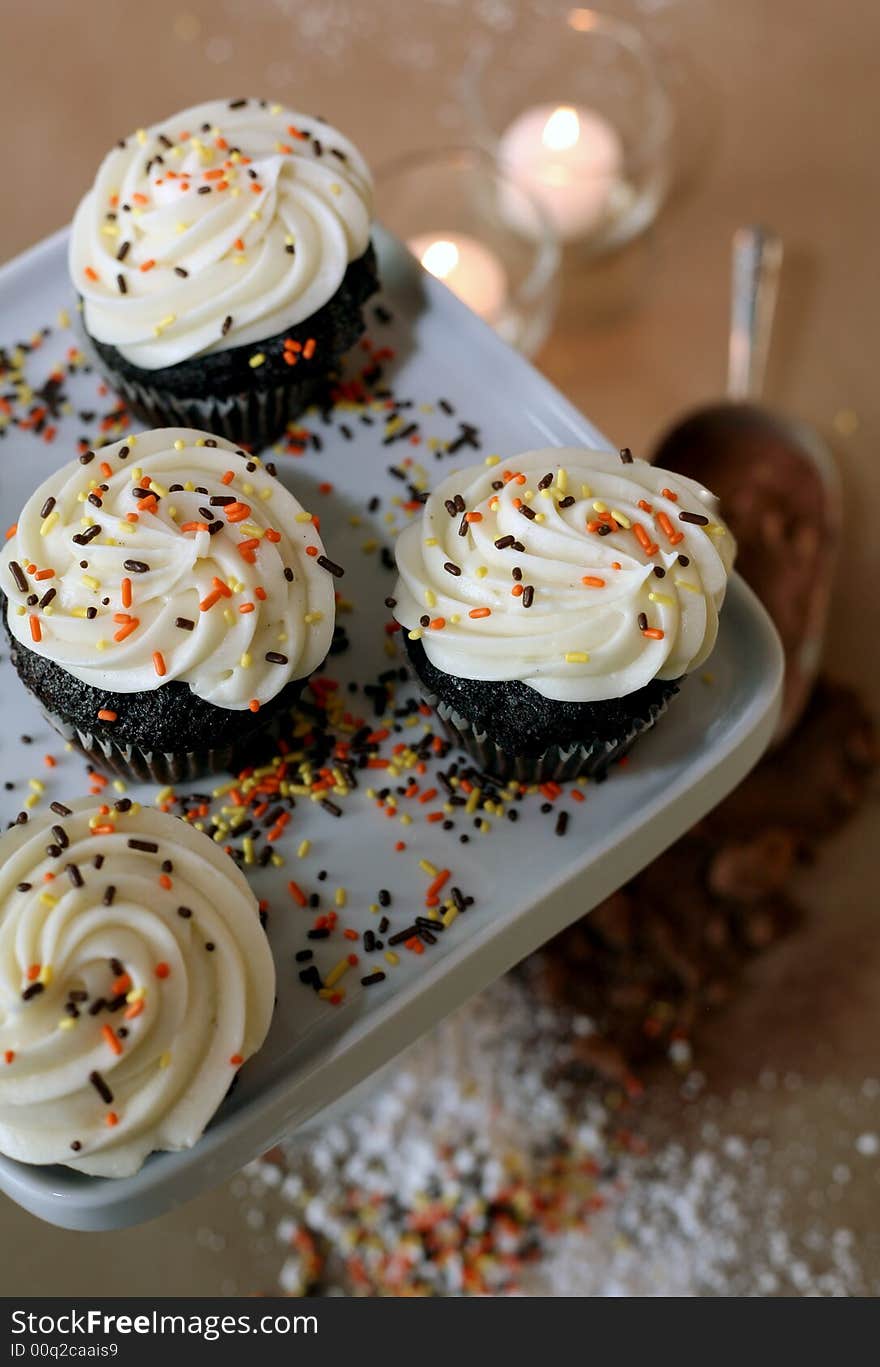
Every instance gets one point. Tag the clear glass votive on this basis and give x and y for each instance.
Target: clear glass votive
(480, 233)
(572, 105)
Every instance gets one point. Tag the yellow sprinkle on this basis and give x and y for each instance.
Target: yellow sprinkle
(90, 582)
(621, 518)
(37, 785)
(662, 598)
(492, 460)
(327, 993)
(341, 897)
(684, 584)
(136, 994)
(599, 506)
(431, 541)
(311, 618)
(45, 975)
(336, 972)
(245, 661)
(303, 848)
(256, 360)
(67, 1023)
(427, 867)
(430, 598)
(335, 188)
(561, 480)
(449, 915)
(586, 491)
(391, 957)
(576, 657)
(32, 800)
(303, 517)
(164, 323)
(48, 523)
(164, 1059)
(47, 900)
(481, 571)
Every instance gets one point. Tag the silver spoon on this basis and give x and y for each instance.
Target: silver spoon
(775, 476)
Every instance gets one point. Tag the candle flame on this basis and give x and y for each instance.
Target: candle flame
(562, 130)
(441, 258)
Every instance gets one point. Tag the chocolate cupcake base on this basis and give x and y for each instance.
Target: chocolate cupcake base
(165, 735)
(514, 732)
(223, 393)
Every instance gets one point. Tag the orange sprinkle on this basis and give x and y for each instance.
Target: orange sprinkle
(667, 493)
(297, 894)
(126, 593)
(653, 633)
(134, 1010)
(159, 663)
(214, 175)
(593, 581)
(309, 349)
(165, 882)
(104, 830)
(10, 531)
(441, 879)
(194, 526)
(91, 274)
(645, 506)
(254, 705)
(9, 1056)
(45, 574)
(473, 517)
(139, 198)
(50, 761)
(236, 1060)
(437, 623)
(111, 1119)
(147, 265)
(245, 607)
(256, 187)
(228, 477)
(480, 612)
(106, 470)
(237, 512)
(36, 629)
(126, 630)
(121, 984)
(643, 539)
(616, 565)
(209, 600)
(272, 535)
(260, 592)
(33, 972)
(162, 970)
(107, 714)
(112, 1039)
(311, 550)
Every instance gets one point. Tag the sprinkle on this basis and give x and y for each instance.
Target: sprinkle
(101, 1087)
(162, 970)
(112, 1038)
(684, 584)
(576, 657)
(593, 581)
(159, 663)
(106, 714)
(696, 518)
(653, 633)
(480, 612)
(256, 360)
(36, 629)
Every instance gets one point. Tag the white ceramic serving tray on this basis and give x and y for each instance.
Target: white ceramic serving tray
(528, 884)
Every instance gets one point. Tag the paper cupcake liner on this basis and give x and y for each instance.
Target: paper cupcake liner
(254, 419)
(558, 764)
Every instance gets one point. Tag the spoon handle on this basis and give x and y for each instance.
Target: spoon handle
(757, 261)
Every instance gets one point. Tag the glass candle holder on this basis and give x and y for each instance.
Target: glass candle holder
(480, 233)
(572, 106)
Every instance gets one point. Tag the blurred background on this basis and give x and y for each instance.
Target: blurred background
(714, 1053)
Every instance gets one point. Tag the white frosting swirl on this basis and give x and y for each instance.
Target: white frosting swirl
(589, 617)
(285, 205)
(253, 593)
(173, 930)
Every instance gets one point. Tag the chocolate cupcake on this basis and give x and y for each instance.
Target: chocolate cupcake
(136, 980)
(223, 258)
(167, 600)
(551, 608)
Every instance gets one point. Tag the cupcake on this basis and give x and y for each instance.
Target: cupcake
(167, 598)
(552, 608)
(223, 258)
(135, 979)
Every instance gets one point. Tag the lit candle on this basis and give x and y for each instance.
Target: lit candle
(470, 270)
(570, 161)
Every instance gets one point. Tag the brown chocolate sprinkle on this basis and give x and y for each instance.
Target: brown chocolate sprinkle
(527, 512)
(59, 809)
(109, 894)
(100, 1086)
(503, 542)
(47, 507)
(184, 623)
(227, 324)
(528, 595)
(451, 568)
(33, 991)
(147, 846)
(179, 270)
(330, 566)
(696, 518)
(83, 538)
(545, 482)
(371, 978)
(18, 575)
(74, 875)
(274, 657)
(626, 455)
(642, 621)
(185, 912)
(136, 566)
(120, 281)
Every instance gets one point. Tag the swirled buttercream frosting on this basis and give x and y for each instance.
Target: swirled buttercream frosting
(171, 555)
(135, 979)
(217, 228)
(584, 574)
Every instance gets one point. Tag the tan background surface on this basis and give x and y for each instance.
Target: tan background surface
(781, 105)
